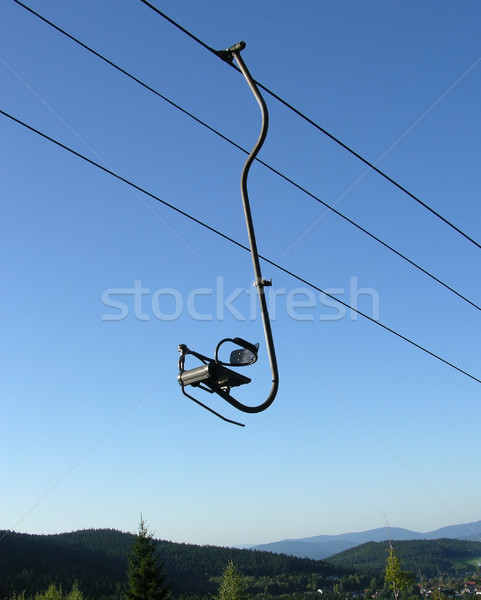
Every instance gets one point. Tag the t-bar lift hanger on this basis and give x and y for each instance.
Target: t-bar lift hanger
(215, 376)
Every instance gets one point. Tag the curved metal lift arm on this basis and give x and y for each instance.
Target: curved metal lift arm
(259, 281)
(213, 376)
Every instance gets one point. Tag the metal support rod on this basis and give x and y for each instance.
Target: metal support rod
(214, 412)
(221, 383)
(259, 281)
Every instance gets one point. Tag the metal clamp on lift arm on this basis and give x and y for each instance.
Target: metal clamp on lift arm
(213, 375)
(228, 55)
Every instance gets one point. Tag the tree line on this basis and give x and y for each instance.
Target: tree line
(98, 561)
(427, 557)
(111, 565)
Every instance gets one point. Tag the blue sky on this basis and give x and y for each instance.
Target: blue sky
(365, 426)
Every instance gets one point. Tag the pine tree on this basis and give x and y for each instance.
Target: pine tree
(55, 593)
(394, 576)
(146, 580)
(233, 586)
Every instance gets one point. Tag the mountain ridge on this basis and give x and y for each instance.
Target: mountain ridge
(319, 547)
(97, 559)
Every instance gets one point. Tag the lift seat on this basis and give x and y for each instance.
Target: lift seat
(213, 376)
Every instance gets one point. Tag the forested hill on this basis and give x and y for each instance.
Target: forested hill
(97, 559)
(429, 557)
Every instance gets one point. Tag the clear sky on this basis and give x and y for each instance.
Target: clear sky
(101, 283)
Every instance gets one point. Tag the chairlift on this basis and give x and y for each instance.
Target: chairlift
(214, 375)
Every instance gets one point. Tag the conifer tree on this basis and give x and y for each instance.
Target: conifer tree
(146, 580)
(395, 578)
(233, 585)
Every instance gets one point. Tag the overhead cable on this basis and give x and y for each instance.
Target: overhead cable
(235, 242)
(266, 165)
(319, 128)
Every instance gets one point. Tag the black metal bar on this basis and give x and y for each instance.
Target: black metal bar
(210, 409)
(259, 281)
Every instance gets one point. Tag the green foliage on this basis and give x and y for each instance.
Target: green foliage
(396, 579)
(20, 596)
(75, 594)
(97, 559)
(53, 593)
(438, 595)
(233, 585)
(146, 580)
(428, 557)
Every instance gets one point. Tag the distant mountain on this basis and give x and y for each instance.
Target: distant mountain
(323, 546)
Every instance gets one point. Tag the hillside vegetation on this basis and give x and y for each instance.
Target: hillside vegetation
(97, 560)
(428, 557)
